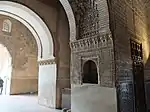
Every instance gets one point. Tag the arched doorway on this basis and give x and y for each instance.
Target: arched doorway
(46, 60)
(5, 69)
(21, 60)
(43, 37)
(90, 74)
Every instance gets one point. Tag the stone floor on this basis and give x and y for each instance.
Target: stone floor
(22, 104)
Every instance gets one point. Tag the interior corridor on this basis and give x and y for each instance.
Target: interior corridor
(22, 103)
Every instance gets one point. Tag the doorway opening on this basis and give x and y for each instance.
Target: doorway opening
(5, 69)
(90, 74)
(138, 74)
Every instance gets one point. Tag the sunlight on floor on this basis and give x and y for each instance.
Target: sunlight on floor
(22, 104)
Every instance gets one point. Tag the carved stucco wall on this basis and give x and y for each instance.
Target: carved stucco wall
(128, 20)
(94, 41)
(23, 49)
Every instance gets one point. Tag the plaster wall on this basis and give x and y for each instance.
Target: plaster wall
(64, 48)
(63, 55)
(92, 98)
(24, 86)
(47, 85)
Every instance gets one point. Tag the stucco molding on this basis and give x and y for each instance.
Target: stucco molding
(71, 18)
(47, 62)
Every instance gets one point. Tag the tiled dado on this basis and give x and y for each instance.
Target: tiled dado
(47, 62)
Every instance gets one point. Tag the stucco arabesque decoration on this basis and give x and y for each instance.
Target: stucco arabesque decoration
(93, 39)
(90, 49)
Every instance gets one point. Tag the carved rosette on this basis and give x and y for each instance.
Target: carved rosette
(47, 62)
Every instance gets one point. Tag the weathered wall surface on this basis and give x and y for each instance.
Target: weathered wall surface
(94, 42)
(128, 21)
(47, 13)
(22, 47)
(93, 98)
(63, 54)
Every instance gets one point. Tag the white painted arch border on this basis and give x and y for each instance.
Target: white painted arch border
(71, 18)
(36, 25)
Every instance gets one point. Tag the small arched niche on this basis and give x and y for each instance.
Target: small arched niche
(7, 26)
(90, 74)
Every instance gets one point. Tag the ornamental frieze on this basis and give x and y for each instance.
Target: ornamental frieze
(47, 62)
(94, 42)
